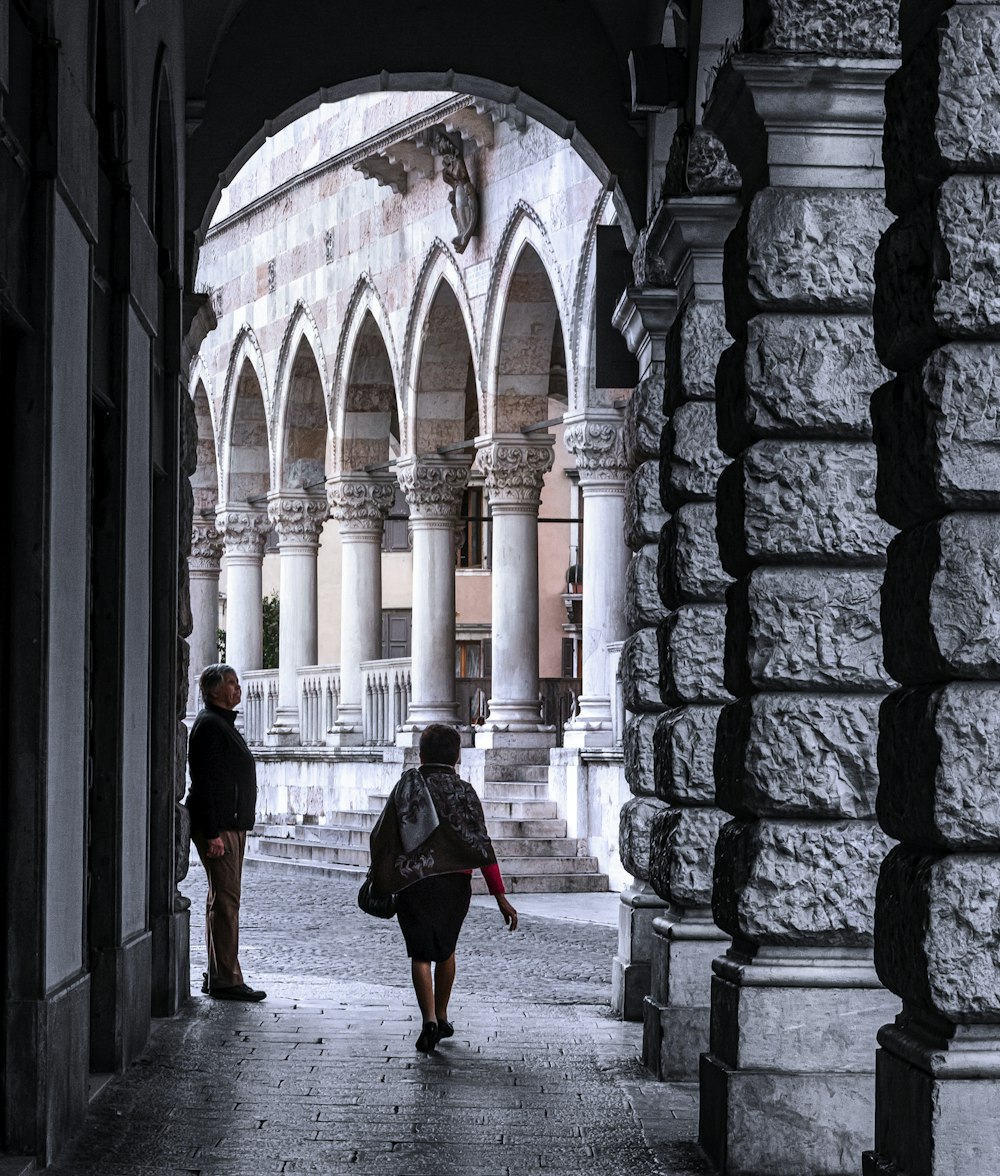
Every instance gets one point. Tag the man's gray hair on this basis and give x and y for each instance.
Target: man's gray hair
(211, 679)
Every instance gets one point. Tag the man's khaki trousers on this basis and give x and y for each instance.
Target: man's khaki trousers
(222, 907)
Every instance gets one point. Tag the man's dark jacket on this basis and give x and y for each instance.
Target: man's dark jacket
(223, 776)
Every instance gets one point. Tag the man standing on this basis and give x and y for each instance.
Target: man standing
(222, 803)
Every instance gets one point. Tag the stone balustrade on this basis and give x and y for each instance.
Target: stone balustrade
(260, 704)
(386, 690)
(319, 702)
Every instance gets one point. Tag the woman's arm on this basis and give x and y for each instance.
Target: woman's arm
(494, 883)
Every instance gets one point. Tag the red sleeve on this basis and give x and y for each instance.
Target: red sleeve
(494, 879)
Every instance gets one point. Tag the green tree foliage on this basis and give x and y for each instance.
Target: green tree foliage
(271, 612)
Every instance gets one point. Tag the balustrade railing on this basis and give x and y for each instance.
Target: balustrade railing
(618, 716)
(319, 702)
(260, 702)
(385, 699)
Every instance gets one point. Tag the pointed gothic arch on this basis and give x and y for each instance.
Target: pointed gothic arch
(301, 389)
(247, 439)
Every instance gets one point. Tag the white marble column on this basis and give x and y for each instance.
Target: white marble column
(514, 467)
(359, 504)
(203, 578)
(596, 442)
(433, 486)
(298, 518)
(244, 531)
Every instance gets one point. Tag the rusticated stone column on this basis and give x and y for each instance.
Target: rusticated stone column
(433, 487)
(298, 518)
(244, 531)
(688, 234)
(596, 442)
(203, 578)
(644, 316)
(788, 1084)
(937, 323)
(359, 505)
(514, 467)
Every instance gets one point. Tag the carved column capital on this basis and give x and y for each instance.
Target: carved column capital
(433, 487)
(244, 530)
(514, 468)
(298, 518)
(359, 504)
(206, 547)
(598, 444)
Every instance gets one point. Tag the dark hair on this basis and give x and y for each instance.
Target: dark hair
(211, 677)
(440, 744)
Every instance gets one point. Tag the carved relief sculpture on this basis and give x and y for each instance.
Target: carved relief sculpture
(462, 197)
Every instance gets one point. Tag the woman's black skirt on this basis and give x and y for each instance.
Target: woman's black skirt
(431, 913)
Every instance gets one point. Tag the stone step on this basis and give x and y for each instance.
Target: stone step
(536, 773)
(347, 819)
(514, 790)
(504, 809)
(506, 847)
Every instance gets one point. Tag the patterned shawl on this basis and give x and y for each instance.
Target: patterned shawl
(432, 823)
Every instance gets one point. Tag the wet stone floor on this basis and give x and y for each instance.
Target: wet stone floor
(323, 1076)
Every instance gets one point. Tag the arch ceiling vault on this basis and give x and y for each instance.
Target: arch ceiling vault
(248, 75)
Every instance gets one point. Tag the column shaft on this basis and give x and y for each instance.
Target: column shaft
(244, 531)
(203, 577)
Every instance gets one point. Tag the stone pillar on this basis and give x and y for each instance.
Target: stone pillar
(937, 323)
(203, 578)
(687, 235)
(244, 531)
(514, 467)
(596, 442)
(298, 518)
(643, 315)
(788, 1084)
(360, 505)
(433, 486)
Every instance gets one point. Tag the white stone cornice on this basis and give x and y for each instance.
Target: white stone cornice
(644, 316)
(433, 486)
(244, 530)
(360, 505)
(298, 518)
(206, 548)
(597, 443)
(514, 469)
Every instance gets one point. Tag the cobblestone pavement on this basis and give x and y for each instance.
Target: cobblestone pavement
(323, 1077)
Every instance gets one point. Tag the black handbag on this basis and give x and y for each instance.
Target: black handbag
(382, 906)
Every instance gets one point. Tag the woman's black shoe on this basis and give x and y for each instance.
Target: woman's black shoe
(429, 1037)
(445, 1029)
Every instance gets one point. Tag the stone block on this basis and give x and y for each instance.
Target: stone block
(644, 512)
(691, 645)
(673, 1039)
(683, 752)
(938, 941)
(936, 434)
(836, 28)
(643, 606)
(690, 458)
(637, 748)
(696, 340)
(640, 672)
(634, 831)
(682, 853)
(938, 273)
(802, 883)
(801, 502)
(689, 568)
(805, 629)
(644, 421)
(941, 600)
(798, 376)
(811, 249)
(798, 755)
(939, 766)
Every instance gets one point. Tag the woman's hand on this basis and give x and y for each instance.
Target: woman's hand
(508, 912)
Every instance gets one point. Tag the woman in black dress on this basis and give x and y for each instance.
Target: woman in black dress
(427, 842)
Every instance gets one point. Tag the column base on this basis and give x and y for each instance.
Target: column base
(676, 1012)
(500, 736)
(285, 731)
(788, 1086)
(344, 735)
(938, 1111)
(631, 968)
(120, 1017)
(592, 726)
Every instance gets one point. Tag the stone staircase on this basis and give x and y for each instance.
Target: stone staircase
(534, 852)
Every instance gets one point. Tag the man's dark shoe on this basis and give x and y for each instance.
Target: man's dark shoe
(204, 983)
(428, 1038)
(237, 992)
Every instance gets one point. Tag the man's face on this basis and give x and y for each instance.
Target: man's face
(228, 692)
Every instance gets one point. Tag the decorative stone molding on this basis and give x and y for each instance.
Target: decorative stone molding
(599, 449)
(244, 531)
(514, 469)
(206, 548)
(298, 518)
(433, 487)
(360, 505)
